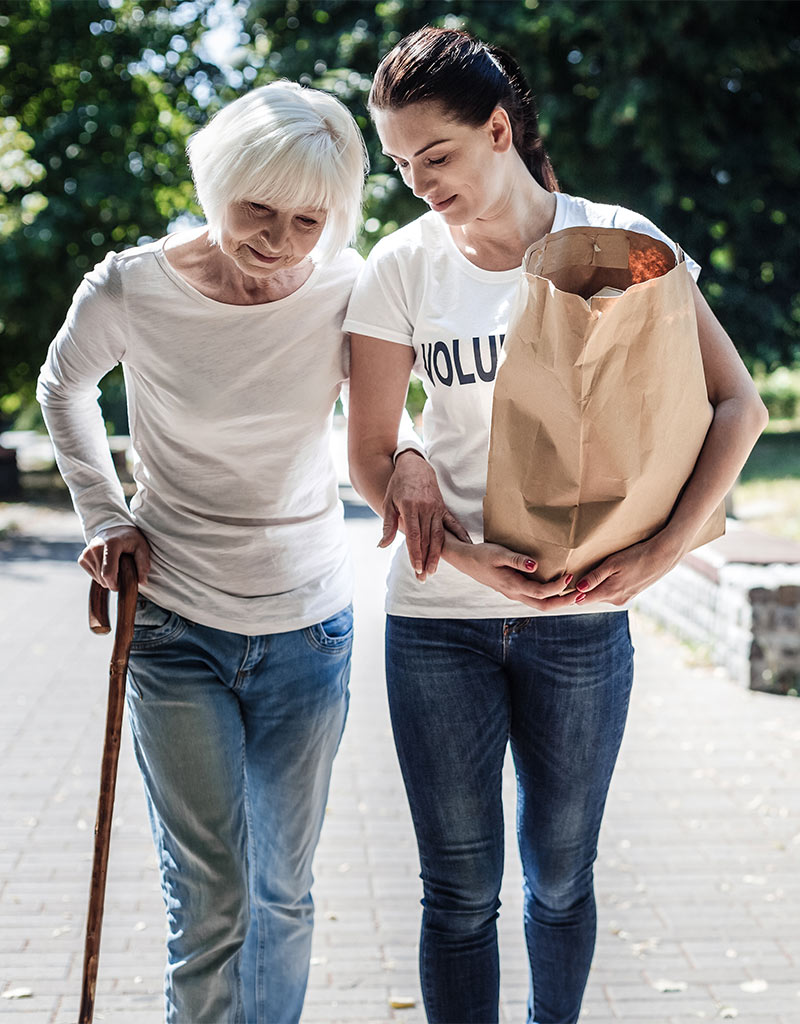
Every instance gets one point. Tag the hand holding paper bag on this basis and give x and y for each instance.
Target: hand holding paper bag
(600, 407)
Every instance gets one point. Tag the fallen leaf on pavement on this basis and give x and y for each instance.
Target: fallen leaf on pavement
(402, 1002)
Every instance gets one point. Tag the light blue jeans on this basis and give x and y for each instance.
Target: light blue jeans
(235, 737)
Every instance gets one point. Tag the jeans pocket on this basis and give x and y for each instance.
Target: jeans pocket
(334, 635)
(155, 626)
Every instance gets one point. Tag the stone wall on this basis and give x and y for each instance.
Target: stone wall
(747, 616)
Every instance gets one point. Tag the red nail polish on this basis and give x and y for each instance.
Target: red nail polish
(530, 565)
(568, 580)
(582, 585)
(580, 598)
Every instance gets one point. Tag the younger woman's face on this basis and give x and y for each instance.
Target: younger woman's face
(456, 168)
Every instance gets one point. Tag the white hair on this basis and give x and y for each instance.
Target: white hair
(286, 145)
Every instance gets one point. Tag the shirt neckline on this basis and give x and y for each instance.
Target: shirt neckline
(206, 300)
(494, 276)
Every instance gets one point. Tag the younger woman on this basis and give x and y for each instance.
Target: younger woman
(478, 656)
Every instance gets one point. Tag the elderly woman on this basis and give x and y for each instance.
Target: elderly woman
(231, 341)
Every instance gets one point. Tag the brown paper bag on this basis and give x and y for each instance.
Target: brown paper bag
(600, 404)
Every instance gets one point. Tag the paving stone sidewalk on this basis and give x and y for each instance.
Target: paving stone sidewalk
(698, 875)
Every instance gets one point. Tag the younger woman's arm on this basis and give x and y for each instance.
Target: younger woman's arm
(379, 374)
(739, 418)
(406, 495)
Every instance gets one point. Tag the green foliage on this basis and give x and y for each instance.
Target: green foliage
(18, 172)
(776, 456)
(95, 108)
(681, 110)
(684, 110)
(780, 392)
(767, 497)
(416, 398)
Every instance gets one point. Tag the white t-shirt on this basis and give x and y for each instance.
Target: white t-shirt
(418, 289)
(230, 412)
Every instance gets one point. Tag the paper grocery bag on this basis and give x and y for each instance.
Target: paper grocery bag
(600, 404)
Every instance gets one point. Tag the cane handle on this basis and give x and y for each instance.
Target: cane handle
(99, 621)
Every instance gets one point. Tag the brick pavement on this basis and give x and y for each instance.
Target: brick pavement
(698, 873)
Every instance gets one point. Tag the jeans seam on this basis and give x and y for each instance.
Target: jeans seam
(134, 685)
(242, 673)
(250, 851)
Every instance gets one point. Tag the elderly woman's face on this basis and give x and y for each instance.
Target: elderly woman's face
(263, 239)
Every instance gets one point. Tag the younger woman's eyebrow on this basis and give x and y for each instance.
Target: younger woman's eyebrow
(419, 151)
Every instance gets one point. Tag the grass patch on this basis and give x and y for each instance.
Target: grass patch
(776, 456)
(767, 496)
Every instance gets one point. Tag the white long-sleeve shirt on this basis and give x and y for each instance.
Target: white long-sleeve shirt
(230, 411)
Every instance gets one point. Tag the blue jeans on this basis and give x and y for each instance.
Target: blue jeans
(235, 737)
(557, 687)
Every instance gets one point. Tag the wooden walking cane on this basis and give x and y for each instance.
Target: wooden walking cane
(99, 623)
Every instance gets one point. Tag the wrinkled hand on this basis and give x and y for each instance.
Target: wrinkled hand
(504, 571)
(624, 574)
(100, 557)
(414, 503)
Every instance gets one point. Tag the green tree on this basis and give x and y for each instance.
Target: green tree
(684, 110)
(96, 104)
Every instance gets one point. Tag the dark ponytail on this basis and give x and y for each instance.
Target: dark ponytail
(469, 79)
